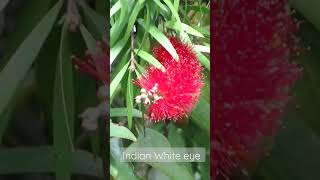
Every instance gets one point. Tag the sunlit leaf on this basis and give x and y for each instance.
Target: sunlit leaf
(161, 38)
(149, 58)
(116, 81)
(121, 132)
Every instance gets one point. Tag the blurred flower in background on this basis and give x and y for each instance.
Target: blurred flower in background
(95, 64)
(253, 73)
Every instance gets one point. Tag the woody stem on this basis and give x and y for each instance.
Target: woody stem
(132, 60)
(73, 16)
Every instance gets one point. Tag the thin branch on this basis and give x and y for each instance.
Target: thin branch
(132, 66)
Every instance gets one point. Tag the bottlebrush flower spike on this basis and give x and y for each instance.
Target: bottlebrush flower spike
(252, 74)
(95, 63)
(171, 93)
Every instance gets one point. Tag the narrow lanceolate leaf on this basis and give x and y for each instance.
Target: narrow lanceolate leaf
(116, 81)
(174, 12)
(116, 49)
(176, 5)
(88, 38)
(42, 159)
(120, 112)
(149, 58)
(119, 25)
(186, 28)
(161, 38)
(173, 170)
(203, 60)
(19, 64)
(115, 8)
(132, 19)
(200, 115)
(63, 110)
(161, 6)
(121, 132)
(201, 48)
(129, 99)
(147, 24)
(99, 22)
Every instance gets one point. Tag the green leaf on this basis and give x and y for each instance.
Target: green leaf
(201, 48)
(63, 110)
(177, 139)
(45, 68)
(307, 91)
(201, 115)
(162, 6)
(203, 60)
(132, 19)
(26, 20)
(307, 94)
(175, 136)
(113, 171)
(310, 10)
(129, 99)
(97, 21)
(121, 132)
(147, 25)
(116, 81)
(186, 28)
(118, 27)
(21, 97)
(121, 112)
(174, 13)
(126, 170)
(88, 38)
(150, 59)
(21, 61)
(154, 139)
(41, 160)
(176, 4)
(204, 31)
(120, 63)
(115, 8)
(161, 38)
(295, 153)
(116, 49)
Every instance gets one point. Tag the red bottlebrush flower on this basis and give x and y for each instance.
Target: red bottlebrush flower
(95, 63)
(171, 93)
(252, 75)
